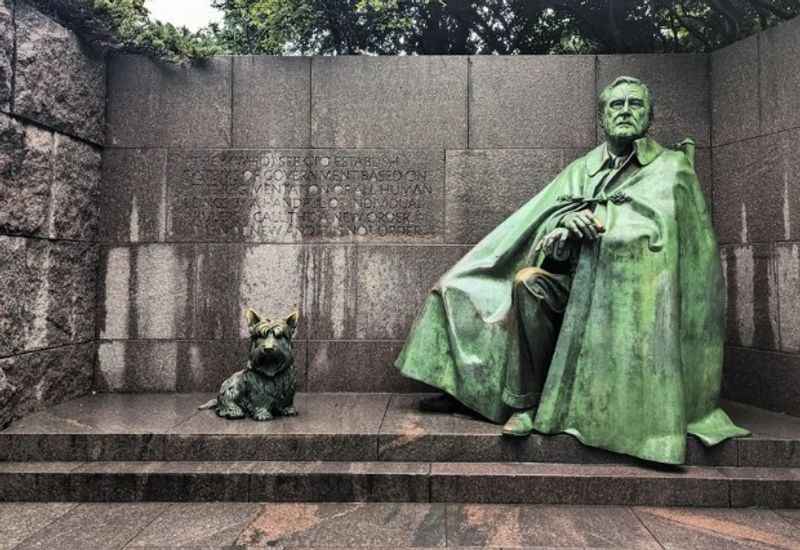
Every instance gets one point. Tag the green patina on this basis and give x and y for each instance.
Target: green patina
(637, 362)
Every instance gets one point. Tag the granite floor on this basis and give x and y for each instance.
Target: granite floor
(389, 526)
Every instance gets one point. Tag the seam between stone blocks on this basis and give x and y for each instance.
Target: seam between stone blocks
(790, 354)
(37, 124)
(386, 244)
(729, 246)
(468, 99)
(773, 260)
(380, 428)
(49, 239)
(13, 56)
(169, 507)
(758, 75)
(596, 83)
(646, 528)
(232, 89)
(759, 136)
(50, 348)
(710, 111)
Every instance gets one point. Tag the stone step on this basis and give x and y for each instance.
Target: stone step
(463, 482)
(338, 427)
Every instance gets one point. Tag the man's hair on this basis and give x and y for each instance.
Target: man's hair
(603, 99)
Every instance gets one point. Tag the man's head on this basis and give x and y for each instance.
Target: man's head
(625, 108)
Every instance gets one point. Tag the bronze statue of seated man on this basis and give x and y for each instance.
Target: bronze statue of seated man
(596, 309)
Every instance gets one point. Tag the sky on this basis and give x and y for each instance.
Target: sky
(193, 14)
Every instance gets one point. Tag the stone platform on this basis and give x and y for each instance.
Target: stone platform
(367, 447)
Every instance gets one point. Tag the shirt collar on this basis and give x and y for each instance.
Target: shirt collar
(646, 152)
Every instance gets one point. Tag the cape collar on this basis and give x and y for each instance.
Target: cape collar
(646, 152)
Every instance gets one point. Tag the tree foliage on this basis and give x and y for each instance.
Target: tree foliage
(491, 26)
(124, 25)
(386, 27)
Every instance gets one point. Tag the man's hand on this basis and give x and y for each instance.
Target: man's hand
(554, 244)
(582, 225)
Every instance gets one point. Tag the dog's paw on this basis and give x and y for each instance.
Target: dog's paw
(289, 411)
(233, 414)
(262, 414)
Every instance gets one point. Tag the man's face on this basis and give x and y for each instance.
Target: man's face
(626, 115)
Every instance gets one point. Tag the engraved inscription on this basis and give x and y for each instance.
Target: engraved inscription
(270, 195)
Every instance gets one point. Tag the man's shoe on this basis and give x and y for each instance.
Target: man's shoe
(441, 403)
(520, 424)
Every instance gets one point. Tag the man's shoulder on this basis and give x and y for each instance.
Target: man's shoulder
(582, 164)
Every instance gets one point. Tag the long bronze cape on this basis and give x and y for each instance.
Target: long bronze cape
(638, 362)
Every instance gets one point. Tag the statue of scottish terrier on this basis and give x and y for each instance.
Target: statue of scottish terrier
(265, 388)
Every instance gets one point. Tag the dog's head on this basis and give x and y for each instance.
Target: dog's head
(271, 348)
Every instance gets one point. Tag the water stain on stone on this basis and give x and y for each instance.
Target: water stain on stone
(330, 294)
(128, 376)
(763, 284)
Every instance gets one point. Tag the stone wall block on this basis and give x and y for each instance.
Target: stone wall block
(26, 174)
(134, 84)
(703, 169)
(158, 104)
(412, 101)
(136, 366)
(48, 292)
(330, 291)
(271, 101)
(6, 53)
(393, 281)
(203, 365)
(532, 101)
(680, 88)
(749, 191)
(752, 296)
(788, 270)
(762, 378)
(779, 55)
(483, 187)
(60, 82)
(305, 195)
(132, 198)
(72, 290)
(231, 278)
(195, 104)
(741, 375)
(216, 309)
(161, 277)
(75, 191)
(787, 165)
(357, 366)
(20, 279)
(165, 291)
(144, 291)
(734, 92)
(36, 380)
(272, 283)
(114, 297)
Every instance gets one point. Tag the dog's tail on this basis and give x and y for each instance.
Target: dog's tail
(210, 405)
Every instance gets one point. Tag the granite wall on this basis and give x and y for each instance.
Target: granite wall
(52, 116)
(755, 144)
(343, 186)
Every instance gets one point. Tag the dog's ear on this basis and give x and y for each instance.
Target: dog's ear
(292, 320)
(252, 317)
